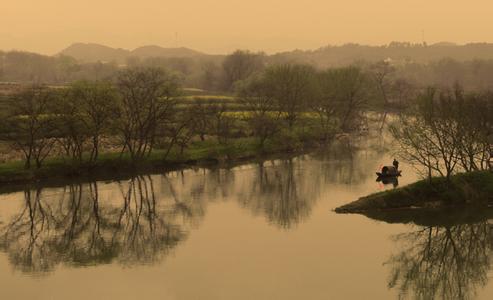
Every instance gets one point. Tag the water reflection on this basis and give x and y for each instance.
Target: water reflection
(141, 219)
(285, 191)
(346, 163)
(280, 192)
(137, 221)
(449, 261)
(75, 227)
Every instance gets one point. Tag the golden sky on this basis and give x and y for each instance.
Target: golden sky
(220, 26)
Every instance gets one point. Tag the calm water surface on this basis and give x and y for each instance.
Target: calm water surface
(258, 231)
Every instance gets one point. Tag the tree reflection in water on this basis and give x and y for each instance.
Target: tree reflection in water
(285, 191)
(346, 164)
(77, 228)
(87, 224)
(436, 262)
(280, 193)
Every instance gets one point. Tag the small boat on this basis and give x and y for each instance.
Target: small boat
(389, 171)
(389, 175)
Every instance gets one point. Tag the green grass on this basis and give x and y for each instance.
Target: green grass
(304, 135)
(12, 168)
(208, 97)
(206, 152)
(473, 188)
(195, 92)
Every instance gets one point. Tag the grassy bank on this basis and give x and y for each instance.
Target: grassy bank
(112, 164)
(472, 189)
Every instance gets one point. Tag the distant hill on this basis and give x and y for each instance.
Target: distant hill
(424, 64)
(91, 52)
(94, 52)
(323, 57)
(330, 56)
(156, 51)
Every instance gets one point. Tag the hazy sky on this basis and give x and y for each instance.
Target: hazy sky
(220, 26)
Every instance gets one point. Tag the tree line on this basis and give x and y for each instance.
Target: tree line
(447, 131)
(219, 73)
(141, 111)
(289, 104)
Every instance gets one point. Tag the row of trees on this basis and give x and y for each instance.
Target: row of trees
(216, 73)
(219, 73)
(284, 94)
(448, 131)
(287, 103)
(142, 111)
(76, 120)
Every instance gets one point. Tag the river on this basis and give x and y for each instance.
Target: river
(263, 230)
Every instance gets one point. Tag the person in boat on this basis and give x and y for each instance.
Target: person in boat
(389, 171)
(395, 163)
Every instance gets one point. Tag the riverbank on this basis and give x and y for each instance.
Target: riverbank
(207, 153)
(469, 189)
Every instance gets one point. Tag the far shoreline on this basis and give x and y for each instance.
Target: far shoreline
(112, 166)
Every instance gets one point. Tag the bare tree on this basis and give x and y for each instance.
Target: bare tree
(402, 91)
(147, 103)
(292, 86)
(263, 116)
(221, 123)
(202, 117)
(473, 113)
(349, 92)
(72, 134)
(341, 99)
(211, 76)
(428, 137)
(239, 65)
(98, 104)
(381, 73)
(29, 124)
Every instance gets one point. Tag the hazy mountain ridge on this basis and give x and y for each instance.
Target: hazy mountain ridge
(91, 52)
(157, 51)
(442, 64)
(324, 56)
(330, 56)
